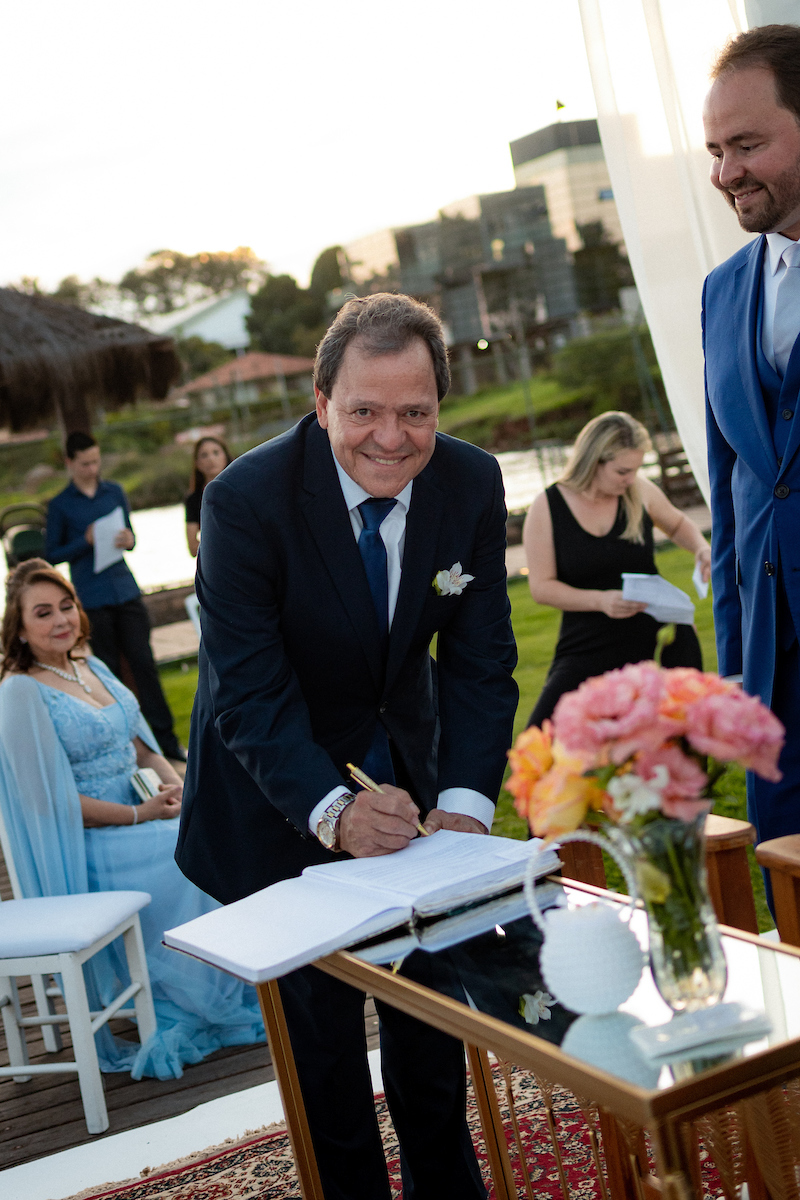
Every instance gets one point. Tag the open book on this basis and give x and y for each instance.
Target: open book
(336, 905)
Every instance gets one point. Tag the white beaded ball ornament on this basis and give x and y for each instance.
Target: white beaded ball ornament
(591, 960)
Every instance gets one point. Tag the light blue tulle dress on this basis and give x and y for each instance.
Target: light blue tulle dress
(53, 746)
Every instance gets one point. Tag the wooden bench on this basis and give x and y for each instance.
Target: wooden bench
(781, 857)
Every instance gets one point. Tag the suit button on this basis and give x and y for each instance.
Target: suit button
(781, 491)
(769, 568)
(382, 708)
(787, 414)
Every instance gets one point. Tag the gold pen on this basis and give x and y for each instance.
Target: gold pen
(371, 786)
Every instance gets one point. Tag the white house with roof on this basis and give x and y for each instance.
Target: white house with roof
(219, 319)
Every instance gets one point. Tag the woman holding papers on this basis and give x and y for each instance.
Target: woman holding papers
(71, 737)
(591, 526)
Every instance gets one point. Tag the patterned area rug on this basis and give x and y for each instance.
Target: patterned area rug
(262, 1168)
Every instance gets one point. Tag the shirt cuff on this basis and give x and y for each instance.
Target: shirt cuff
(471, 804)
(316, 813)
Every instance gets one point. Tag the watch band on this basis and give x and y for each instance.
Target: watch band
(328, 824)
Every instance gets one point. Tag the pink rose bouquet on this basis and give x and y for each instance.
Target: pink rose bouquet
(638, 743)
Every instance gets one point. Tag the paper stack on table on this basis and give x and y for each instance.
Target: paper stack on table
(105, 532)
(665, 602)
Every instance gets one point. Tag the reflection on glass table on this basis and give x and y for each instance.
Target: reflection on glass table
(496, 954)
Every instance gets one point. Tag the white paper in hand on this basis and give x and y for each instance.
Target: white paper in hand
(105, 532)
(700, 585)
(664, 601)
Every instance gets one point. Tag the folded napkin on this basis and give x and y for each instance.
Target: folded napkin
(720, 1029)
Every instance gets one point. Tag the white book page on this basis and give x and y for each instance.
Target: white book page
(105, 531)
(284, 927)
(439, 871)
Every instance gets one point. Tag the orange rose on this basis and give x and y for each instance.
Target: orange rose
(684, 686)
(530, 758)
(560, 801)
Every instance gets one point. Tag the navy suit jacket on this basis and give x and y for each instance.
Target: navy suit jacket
(292, 679)
(751, 526)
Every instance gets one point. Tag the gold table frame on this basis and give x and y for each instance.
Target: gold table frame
(667, 1114)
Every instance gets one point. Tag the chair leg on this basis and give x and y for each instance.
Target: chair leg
(80, 1027)
(137, 968)
(15, 1034)
(51, 1034)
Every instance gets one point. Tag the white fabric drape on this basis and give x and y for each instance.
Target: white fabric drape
(649, 61)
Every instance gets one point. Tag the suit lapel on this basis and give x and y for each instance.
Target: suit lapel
(419, 566)
(792, 386)
(747, 287)
(328, 520)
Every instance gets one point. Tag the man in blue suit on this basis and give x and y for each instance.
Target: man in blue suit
(751, 314)
(317, 579)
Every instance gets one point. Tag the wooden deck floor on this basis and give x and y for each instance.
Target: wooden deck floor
(45, 1115)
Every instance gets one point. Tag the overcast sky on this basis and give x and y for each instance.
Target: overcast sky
(198, 125)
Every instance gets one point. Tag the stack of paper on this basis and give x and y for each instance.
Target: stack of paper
(665, 602)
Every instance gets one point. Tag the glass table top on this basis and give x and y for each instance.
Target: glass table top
(497, 972)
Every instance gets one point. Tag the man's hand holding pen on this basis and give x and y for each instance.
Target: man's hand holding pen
(382, 829)
(378, 822)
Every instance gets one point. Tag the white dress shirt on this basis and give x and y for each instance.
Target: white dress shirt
(393, 533)
(774, 270)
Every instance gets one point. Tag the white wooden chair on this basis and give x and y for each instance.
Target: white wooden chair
(56, 935)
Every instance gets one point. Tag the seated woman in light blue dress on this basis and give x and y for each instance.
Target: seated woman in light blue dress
(71, 736)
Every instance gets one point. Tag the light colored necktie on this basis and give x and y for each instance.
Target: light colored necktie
(786, 325)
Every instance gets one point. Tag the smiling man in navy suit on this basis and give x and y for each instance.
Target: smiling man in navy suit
(751, 310)
(331, 557)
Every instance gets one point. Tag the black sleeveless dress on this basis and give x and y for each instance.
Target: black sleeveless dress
(591, 643)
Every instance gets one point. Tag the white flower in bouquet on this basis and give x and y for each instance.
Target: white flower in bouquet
(633, 796)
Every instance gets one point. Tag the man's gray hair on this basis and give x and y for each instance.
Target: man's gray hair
(384, 324)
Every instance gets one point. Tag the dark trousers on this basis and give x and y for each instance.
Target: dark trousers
(774, 808)
(125, 629)
(424, 1079)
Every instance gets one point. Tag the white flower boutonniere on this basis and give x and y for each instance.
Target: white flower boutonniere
(535, 1008)
(452, 582)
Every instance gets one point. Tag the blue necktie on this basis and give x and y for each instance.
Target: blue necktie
(378, 761)
(373, 552)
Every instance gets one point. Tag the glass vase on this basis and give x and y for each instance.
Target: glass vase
(686, 955)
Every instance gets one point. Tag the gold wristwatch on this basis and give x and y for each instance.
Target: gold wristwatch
(328, 824)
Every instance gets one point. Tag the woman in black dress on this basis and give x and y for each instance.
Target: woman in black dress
(211, 456)
(589, 527)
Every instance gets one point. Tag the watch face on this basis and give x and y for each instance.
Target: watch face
(326, 834)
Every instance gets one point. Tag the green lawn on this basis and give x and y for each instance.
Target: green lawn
(501, 403)
(536, 630)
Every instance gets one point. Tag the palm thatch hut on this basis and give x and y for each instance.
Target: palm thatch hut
(59, 361)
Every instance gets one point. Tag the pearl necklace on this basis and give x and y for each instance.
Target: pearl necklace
(76, 678)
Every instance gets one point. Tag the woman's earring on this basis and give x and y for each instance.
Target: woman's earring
(23, 640)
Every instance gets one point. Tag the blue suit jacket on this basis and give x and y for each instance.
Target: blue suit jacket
(292, 679)
(751, 526)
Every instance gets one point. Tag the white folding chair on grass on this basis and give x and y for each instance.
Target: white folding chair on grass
(56, 935)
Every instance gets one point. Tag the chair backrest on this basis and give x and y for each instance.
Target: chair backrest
(5, 846)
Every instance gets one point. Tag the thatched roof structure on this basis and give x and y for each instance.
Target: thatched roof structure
(58, 361)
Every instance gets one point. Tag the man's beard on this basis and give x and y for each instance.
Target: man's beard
(779, 202)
